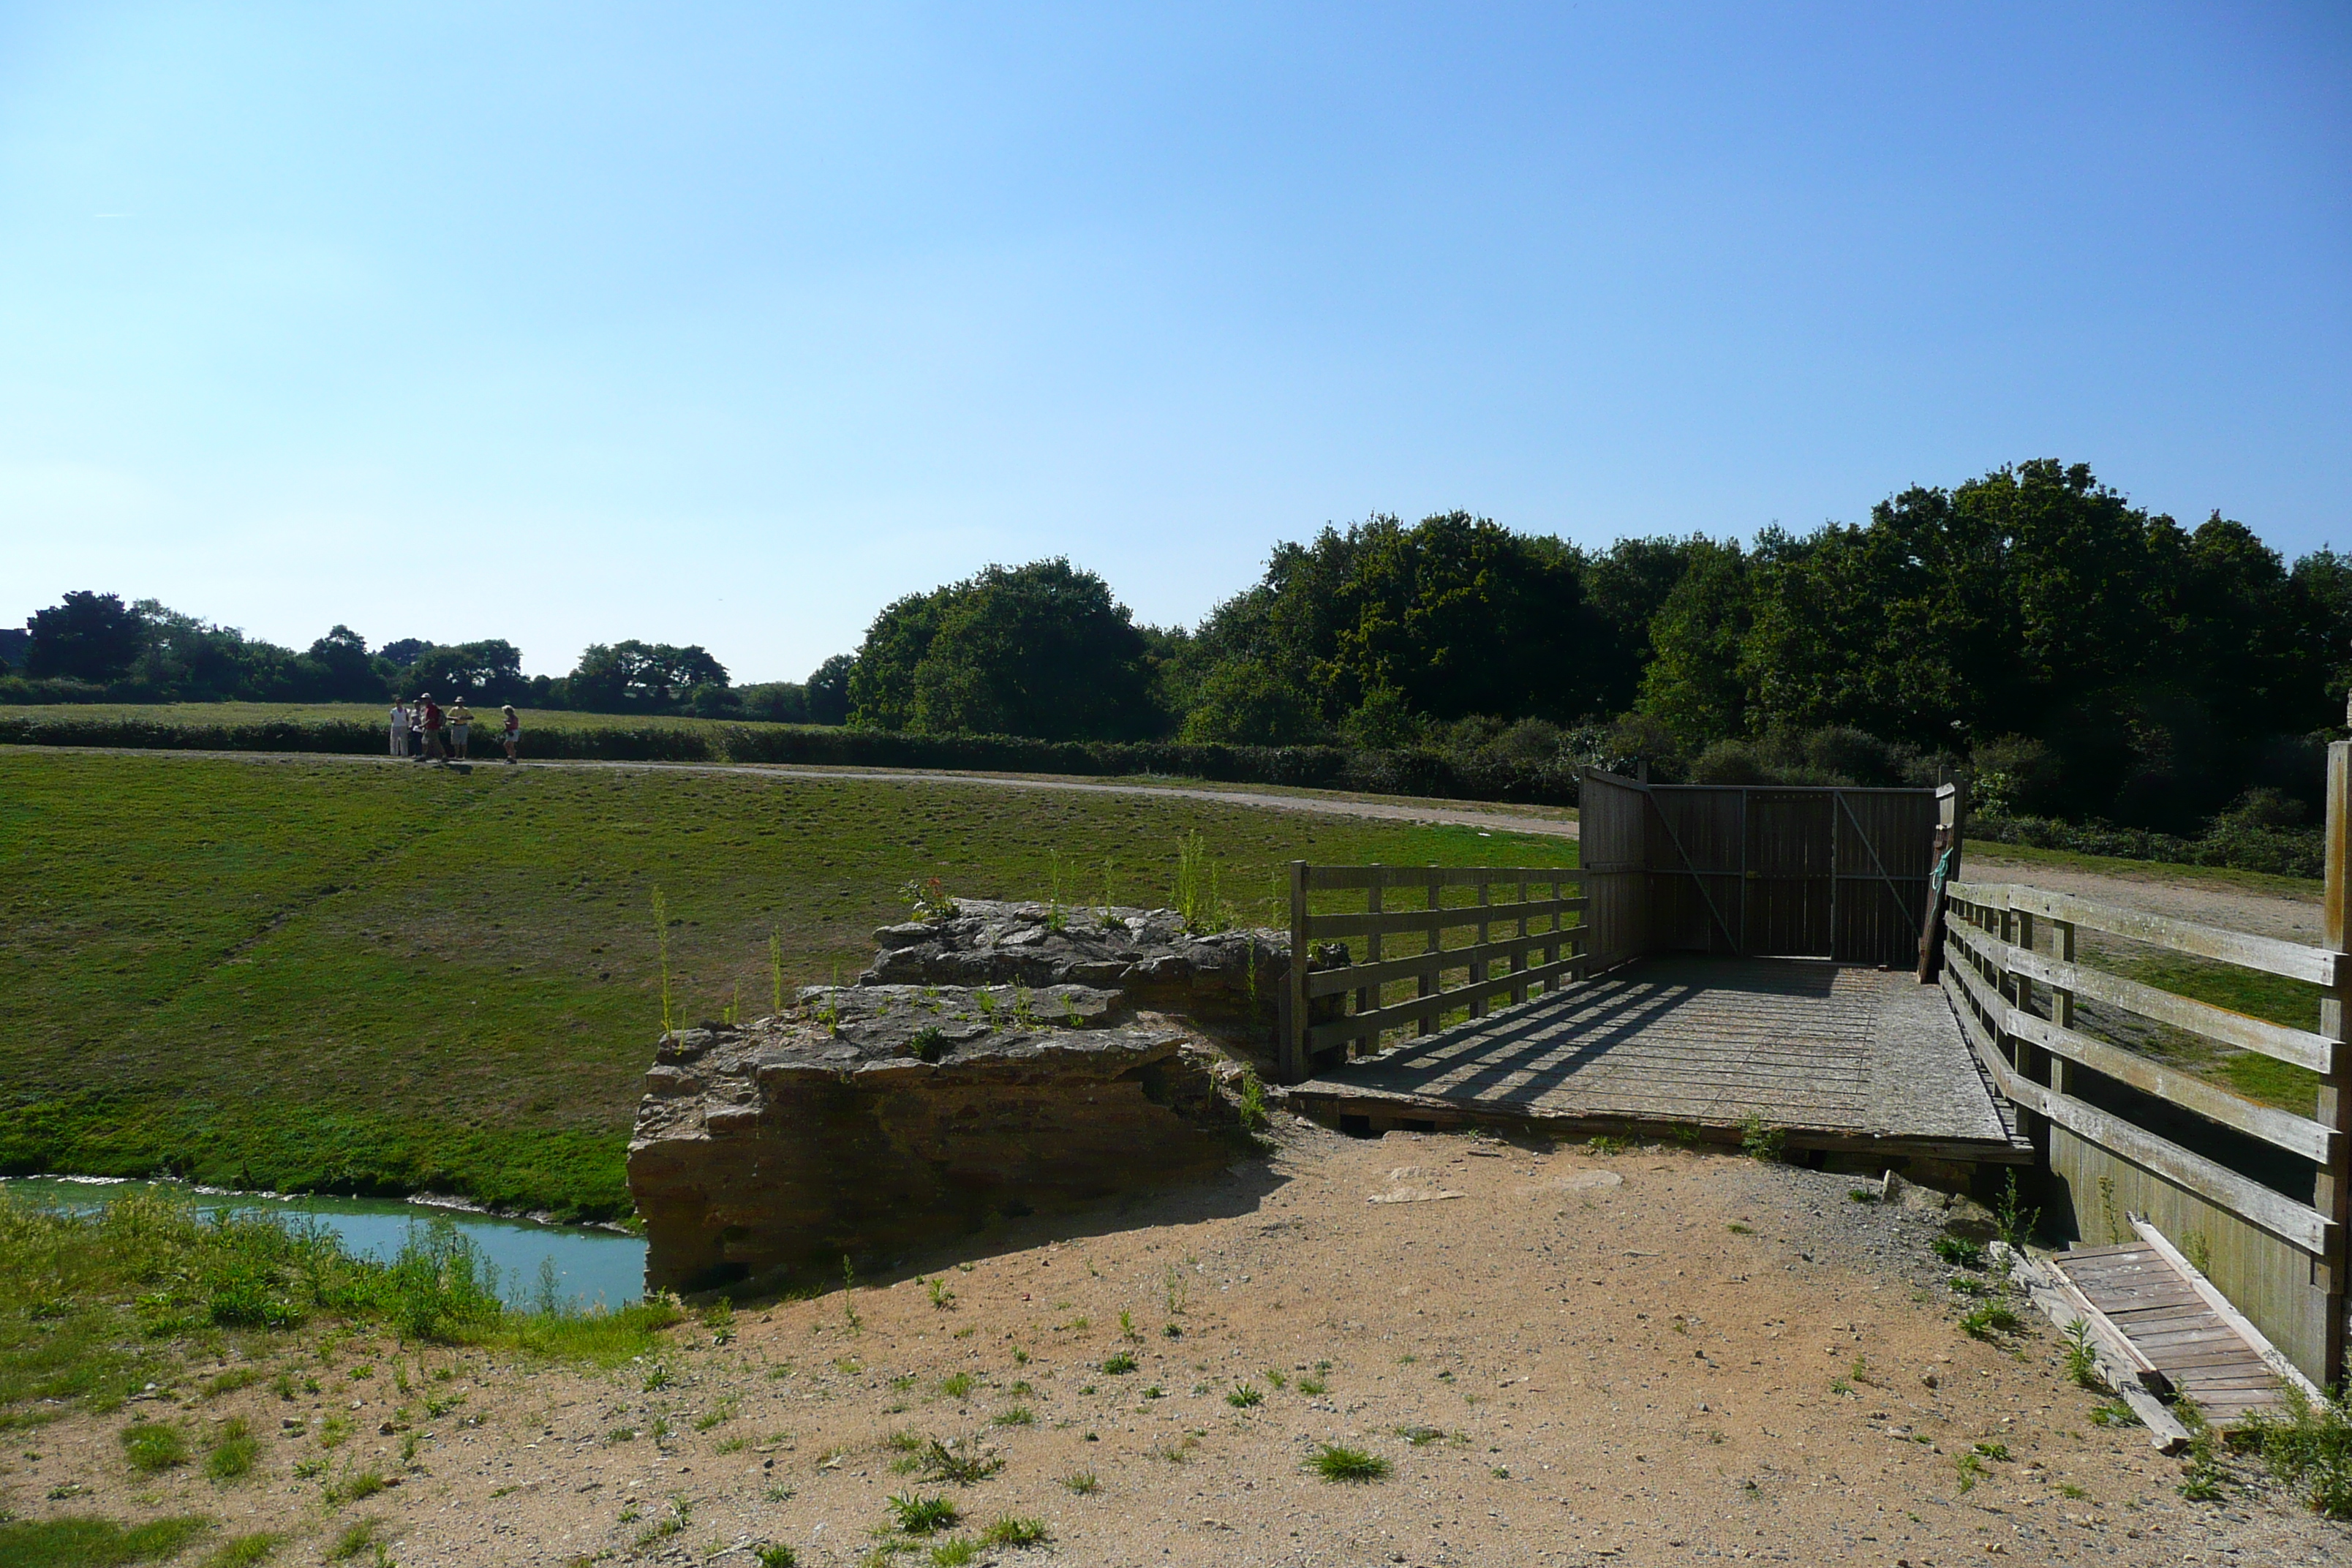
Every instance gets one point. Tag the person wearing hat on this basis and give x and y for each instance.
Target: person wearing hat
(461, 724)
(434, 740)
(512, 733)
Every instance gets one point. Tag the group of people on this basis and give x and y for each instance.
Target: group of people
(429, 732)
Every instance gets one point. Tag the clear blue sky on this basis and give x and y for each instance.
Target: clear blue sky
(727, 324)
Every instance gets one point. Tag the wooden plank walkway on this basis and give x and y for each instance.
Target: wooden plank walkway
(2152, 1304)
(1842, 1056)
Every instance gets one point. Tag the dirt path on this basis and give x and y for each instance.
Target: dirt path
(1554, 1357)
(2208, 903)
(1496, 819)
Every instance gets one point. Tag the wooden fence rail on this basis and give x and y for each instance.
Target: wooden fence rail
(2279, 1257)
(1537, 948)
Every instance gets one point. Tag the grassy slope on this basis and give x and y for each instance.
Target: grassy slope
(298, 973)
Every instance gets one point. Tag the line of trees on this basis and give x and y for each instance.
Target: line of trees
(2080, 658)
(92, 647)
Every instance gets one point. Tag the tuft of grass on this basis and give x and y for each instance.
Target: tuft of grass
(1014, 1530)
(1118, 1363)
(918, 1515)
(233, 1452)
(356, 1487)
(1971, 1469)
(1083, 1483)
(1602, 1145)
(357, 1537)
(775, 1555)
(1245, 1396)
(1336, 1462)
(1015, 1415)
(87, 1542)
(232, 1380)
(244, 1551)
(153, 1447)
(955, 1553)
(957, 1386)
(1988, 1319)
(942, 1298)
(962, 1461)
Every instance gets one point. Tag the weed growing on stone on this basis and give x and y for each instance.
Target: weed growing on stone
(661, 942)
(1760, 1140)
(2011, 1217)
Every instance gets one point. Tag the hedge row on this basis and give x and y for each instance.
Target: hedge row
(2281, 851)
(1428, 774)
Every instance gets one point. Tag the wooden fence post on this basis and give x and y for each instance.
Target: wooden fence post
(2332, 1194)
(1292, 1062)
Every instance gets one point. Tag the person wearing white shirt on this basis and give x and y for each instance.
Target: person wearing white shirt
(400, 729)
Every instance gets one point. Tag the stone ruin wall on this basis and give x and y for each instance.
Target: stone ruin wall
(1008, 1058)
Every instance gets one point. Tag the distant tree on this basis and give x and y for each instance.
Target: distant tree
(486, 672)
(1243, 703)
(337, 668)
(1041, 650)
(828, 690)
(1693, 682)
(86, 636)
(622, 677)
(404, 652)
(774, 701)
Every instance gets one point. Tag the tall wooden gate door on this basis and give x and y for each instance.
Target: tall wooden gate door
(1790, 894)
(1813, 872)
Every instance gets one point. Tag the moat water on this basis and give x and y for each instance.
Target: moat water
(593, 1267)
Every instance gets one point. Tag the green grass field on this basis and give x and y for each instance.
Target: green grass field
(309, 974)
(225, 713)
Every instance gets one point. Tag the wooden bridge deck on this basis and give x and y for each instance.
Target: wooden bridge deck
(1841, 1057)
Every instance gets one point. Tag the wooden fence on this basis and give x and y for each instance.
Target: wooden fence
(1450, 923)
(2114, 1127)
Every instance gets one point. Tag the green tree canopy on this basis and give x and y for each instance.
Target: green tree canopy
(1041, 650)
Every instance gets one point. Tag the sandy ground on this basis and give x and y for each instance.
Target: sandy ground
(1564, 1357)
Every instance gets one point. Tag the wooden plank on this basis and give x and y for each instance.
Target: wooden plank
(2044, 1287)
(1357, 1026)
(1389, 922)
(2255, 1340)
(2271, 956)
(1333, 878)
(2296, 1135)
(2248, 1199)
(1330, 981)
(2302, 1046)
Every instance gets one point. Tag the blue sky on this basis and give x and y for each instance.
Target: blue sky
(571, 322)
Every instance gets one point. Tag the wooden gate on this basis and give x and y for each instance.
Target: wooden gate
(1781, 870)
